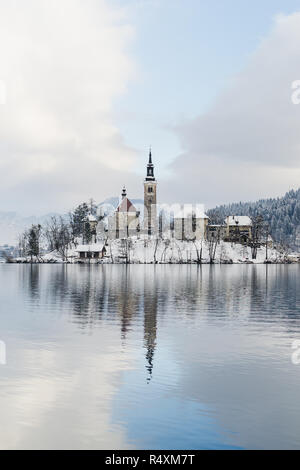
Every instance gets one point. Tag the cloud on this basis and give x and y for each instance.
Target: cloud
(248, 144)
(64, 392)
(63, 64)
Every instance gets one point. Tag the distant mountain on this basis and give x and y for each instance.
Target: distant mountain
(282, 215)
(13, 224)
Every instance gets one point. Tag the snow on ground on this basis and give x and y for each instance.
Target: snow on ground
(145, 251)
(174, 251)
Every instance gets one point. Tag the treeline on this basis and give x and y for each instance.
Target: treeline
(282, 216)
(59, 233)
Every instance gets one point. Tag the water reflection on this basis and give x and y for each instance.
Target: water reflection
(128, 290)
(92, 294)
(149, 356)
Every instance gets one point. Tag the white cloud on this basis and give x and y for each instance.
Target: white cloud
(63, 63)
(64, 392)
(248, 145)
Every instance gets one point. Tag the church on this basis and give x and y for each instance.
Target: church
(125, 221)
(145, 219)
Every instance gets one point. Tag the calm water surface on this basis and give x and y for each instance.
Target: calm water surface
(149, 357)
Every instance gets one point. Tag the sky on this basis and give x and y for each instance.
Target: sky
(87, 86)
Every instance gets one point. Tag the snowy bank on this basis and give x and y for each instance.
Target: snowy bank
(169, 251)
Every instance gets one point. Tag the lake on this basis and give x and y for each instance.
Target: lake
(149, 357)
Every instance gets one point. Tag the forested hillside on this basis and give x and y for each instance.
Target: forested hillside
(282, 215)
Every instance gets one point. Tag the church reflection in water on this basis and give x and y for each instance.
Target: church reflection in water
(136, 298)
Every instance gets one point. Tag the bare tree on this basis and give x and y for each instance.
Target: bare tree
(212, 245)
(155, 250)
(125, 249)
(284, 249)
(52, 231)
(22, 244)
(59, 236)
(65, 238)
(108, 243)
(166, 243)
(199, 253)
(179, 251)
(257, 234)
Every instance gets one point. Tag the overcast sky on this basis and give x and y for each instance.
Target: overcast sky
(87, 85)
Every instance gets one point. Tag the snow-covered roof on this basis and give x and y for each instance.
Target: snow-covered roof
(92, 218)
(95, 247)
(241, 220)
(188, 211)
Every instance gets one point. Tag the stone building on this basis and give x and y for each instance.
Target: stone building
(215, 232)
(238, 228)
(190, 223)
(125, 222)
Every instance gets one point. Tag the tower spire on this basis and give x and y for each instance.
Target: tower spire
(150, 156)
(150, 168)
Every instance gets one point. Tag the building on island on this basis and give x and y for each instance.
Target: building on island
(125, 221)
(215, 232)
(187, 222)
(94, 251)
(190, 223)
(238, 228)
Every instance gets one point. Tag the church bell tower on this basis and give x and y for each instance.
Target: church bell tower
(150, 199)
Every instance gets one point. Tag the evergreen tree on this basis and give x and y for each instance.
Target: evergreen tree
(281, 215)
(87, 234)
(33, 241)
(78, 220)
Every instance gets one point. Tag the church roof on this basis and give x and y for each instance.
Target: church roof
(126, 206)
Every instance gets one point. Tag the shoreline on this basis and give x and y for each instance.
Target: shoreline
(193, 263)
(153, 251)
